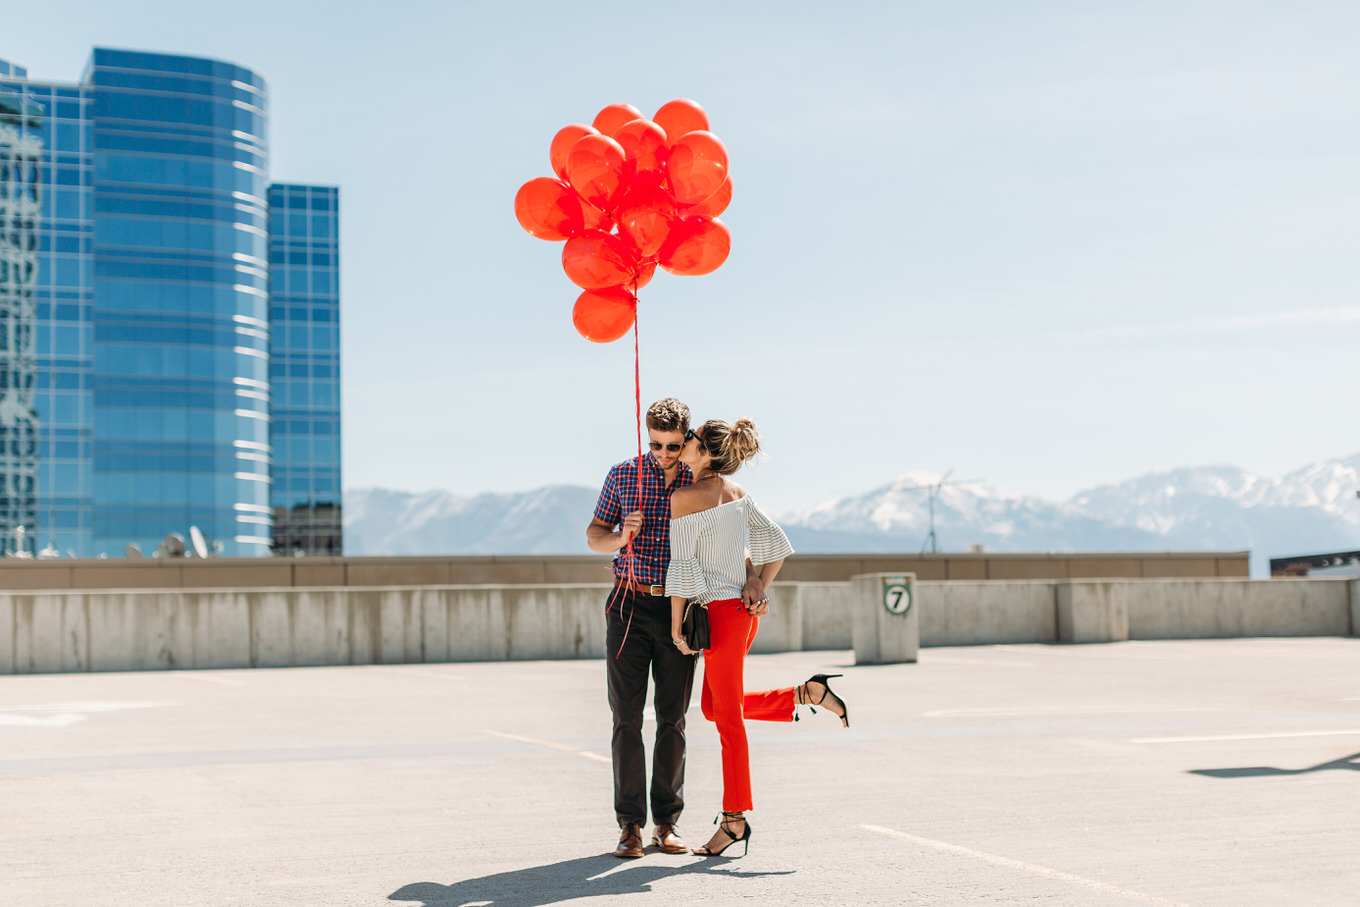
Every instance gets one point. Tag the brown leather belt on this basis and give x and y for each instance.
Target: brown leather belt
(640, 589)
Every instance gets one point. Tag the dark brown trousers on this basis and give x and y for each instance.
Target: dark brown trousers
(647, 648)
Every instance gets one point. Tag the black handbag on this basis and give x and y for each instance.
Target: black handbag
(694, 626)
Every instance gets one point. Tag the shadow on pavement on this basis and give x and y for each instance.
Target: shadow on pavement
(571, 879)
(1351, 762)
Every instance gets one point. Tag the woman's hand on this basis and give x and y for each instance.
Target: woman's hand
(681, 645)
(754, 590)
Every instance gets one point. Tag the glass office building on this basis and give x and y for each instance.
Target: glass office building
(46, 297)
(181, 376)
(151, 312)
(304, 315)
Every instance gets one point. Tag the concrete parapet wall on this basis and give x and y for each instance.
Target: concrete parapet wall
(986, 613)
(214, 628)
(1093, 611)
(1199, 609)
(1355, 607)
(150, 629)
(823, 609)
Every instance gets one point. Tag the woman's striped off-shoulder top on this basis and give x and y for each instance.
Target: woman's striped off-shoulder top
(708, 549)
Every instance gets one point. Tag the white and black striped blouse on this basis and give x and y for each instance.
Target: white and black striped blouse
(708, 549)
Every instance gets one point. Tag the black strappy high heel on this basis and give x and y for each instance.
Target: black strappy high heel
(705, 851)
(827, 691)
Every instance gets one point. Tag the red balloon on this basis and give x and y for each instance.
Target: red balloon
(643, 275)
(562, 142)
(715, 204)
(697, 166)
(549, 209)
(697, 245)
(603, 316)
(594, 259)
(644, 216)
(612, 117)
(595, 169)
(594, 218)
(679, 117)
(644, 144)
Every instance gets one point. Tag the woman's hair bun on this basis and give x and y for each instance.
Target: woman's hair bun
(745, 440)
(730, 444)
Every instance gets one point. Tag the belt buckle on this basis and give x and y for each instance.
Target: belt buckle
(657, 591)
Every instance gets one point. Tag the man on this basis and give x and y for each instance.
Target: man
(638, 635)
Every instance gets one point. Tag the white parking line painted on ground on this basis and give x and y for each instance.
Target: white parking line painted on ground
(1028, 711)
(64, 719)
(209, 678)
(1272, 736)
(85, 706)
(1102, 651)
(927, 658)
(65, 714)
(416, 672)
(1007, 862)
(584, 754)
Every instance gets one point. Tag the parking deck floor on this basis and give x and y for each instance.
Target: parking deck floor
(1223, 772)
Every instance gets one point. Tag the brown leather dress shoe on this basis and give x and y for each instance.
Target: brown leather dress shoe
(630, 842)
(667, 837)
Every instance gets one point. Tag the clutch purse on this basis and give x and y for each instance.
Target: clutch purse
(694, 626)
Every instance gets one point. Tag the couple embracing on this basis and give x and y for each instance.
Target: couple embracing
(697, 538)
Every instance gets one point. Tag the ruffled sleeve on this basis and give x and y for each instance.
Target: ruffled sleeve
(767, 541)
(684, 576)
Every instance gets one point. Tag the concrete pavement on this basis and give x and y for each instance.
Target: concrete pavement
(1191, 772)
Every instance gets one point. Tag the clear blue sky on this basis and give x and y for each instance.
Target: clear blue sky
(1047, 244)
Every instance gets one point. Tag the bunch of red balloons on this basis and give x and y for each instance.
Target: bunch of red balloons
(630, 194)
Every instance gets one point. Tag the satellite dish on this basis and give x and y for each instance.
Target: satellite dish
(133, 551)
(174, 545)
(196, 539)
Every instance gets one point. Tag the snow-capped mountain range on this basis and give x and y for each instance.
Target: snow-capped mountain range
(1199, 508)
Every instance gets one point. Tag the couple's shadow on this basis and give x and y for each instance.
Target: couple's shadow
(557, 882)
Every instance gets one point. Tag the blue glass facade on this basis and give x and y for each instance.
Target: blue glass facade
(181, 316)
(151, 314)
(304, 260)
(57, 127)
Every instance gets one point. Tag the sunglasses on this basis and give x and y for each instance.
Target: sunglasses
(671, 448)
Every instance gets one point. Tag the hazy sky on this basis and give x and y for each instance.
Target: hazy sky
(1046, 244)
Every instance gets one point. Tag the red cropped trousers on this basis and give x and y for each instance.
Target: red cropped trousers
(725, 701)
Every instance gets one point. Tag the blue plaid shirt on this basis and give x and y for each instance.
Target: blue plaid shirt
(619, 497)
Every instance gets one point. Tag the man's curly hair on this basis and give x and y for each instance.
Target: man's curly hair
(668, 415)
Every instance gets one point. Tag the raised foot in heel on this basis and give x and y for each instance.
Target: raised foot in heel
(837, 706)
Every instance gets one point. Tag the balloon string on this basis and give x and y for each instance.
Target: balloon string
(629, 552)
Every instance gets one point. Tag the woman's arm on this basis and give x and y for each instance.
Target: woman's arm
(769, 571)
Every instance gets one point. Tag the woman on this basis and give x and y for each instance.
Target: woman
(710, 522)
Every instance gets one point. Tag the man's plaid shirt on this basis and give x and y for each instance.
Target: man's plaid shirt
(619, 497)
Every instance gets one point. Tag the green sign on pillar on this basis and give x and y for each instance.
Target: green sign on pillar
(897, 594)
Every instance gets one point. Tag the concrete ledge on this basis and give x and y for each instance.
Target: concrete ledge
(1355, 607)
(151, 629)
(825, 608)
(159, 628)
(1199, 609)
(987, 613)
(1093, 612)
(781, 630)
